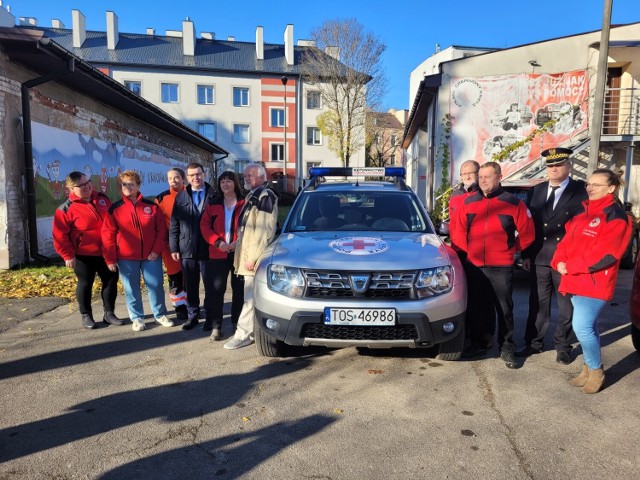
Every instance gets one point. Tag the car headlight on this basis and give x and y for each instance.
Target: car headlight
(285, 280)
(434, 281)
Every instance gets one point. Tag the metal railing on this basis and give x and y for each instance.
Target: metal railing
(621, 115)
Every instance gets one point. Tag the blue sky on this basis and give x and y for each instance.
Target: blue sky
(410, 28)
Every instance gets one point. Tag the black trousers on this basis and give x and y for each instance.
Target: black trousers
(221, 270)
(481, 313)
(544, 283)
(192, 270)
(86, 269)
(492, 287)
(176, 283)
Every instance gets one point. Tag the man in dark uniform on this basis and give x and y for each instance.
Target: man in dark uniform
(552, 204)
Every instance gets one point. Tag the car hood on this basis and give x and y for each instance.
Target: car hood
(360, 251)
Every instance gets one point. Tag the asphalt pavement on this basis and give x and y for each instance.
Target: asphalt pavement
(170, 404)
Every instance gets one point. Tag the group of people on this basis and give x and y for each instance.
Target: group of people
(198, 231)
(571, 236)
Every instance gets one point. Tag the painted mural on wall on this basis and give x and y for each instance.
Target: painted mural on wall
(489, 113)
(58, 152)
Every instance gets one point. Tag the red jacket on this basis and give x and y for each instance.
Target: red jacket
(595, 241)
(212, 226)
(458, 196)
(77, 226)
(485, 228)
(132, 231)
(165, 201)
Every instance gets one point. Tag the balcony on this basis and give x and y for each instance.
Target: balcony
(621, 114)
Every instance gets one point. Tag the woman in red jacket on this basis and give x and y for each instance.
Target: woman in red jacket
(76, 237)
(219, 227)
(588, 258)
(134, 234)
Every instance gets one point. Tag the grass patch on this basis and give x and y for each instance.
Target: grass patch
(40, 281)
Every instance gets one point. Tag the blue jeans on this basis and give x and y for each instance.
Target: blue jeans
(152, 274)
(585, 326)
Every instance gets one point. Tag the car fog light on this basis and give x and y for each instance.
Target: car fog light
(272, 324)
(448, 327)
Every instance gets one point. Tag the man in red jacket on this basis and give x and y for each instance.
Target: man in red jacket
(165, 201)
(490, 226)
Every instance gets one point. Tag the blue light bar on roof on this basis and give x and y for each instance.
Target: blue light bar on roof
(357, 172)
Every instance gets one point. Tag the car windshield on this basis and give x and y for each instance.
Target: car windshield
(360, 211)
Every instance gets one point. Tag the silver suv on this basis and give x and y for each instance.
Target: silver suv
(358, 264)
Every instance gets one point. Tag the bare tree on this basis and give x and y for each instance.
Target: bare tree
(345, 67)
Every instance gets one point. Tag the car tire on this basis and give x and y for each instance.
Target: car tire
(628, 261)
(267, 345)
(635, 337)
(452, 350)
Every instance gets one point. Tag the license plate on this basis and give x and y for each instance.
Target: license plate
(376, 317)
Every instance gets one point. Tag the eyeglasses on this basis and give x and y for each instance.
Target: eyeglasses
(595, 185)
(82, 185)
(129, 185)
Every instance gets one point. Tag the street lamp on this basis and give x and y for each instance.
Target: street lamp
(284, 80)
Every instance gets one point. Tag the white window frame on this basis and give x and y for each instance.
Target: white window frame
(235, 139)
(279, 149)
(239, 165)
(127, 84)
(207, 101)
(215, 130)
(273, 110)
(315, 140)
(309, 94)
(242, 100)
(169, 84)
(312, 165)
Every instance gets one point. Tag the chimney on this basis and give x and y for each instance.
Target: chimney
(208, 35)
(231, 38)
(333, 52)
(259, 43)
(79, 28)
(288, 44)
(6, 19)
(112, 30)
(306, 43)
(28, 21)
(55, 23)
(151, 31)
(188, 38)
(174, 33)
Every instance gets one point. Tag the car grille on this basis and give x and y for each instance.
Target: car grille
(339, 332)
(383, 285)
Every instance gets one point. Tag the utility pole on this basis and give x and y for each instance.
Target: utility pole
(284, 80)
(598, 101)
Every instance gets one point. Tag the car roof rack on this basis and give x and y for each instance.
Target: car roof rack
(317, 175)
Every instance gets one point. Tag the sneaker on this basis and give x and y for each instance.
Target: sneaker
(215, 334)
(138, 325)
(164, 321)
(509, 359)
(235, 343)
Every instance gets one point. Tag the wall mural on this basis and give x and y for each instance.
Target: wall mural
(58, 152)
(489, 113)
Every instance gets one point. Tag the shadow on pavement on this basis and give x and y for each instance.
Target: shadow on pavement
(90, 353)
(174, 402)
(231, 456)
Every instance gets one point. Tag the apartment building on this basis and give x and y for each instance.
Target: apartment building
(248, 97)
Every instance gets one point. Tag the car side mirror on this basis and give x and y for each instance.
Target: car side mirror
(443, 228)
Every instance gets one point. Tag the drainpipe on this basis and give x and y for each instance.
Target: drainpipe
(28, 157)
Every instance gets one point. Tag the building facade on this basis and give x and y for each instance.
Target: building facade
(248, 97)
(477, 105)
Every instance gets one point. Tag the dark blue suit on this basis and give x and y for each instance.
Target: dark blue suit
(549, 226)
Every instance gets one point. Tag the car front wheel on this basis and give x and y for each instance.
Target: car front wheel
(635, 337)
(267, 345)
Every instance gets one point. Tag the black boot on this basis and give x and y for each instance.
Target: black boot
(88, 321)
(110, 318)
(181, 312)
(208, 325)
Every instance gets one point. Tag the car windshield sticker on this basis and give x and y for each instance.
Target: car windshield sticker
(359, 245)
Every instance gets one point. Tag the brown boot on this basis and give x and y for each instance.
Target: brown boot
(581, 379)
(595, 381)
